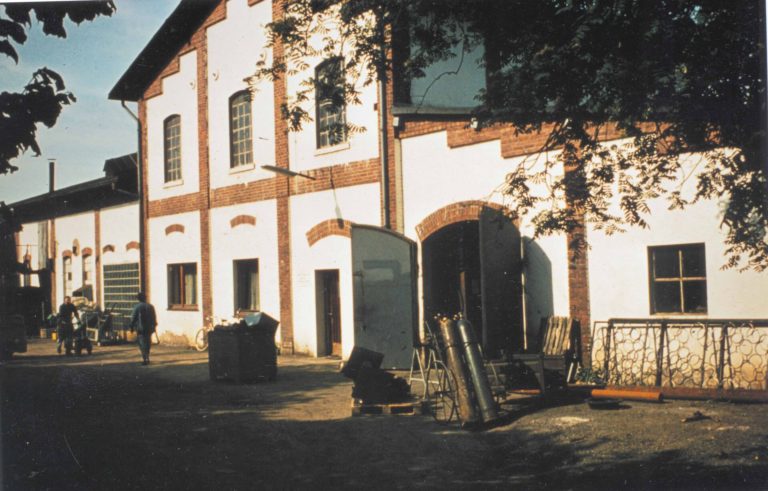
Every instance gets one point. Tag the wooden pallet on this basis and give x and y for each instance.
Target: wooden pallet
(393, 409)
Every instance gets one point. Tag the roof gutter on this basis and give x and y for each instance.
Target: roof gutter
(140, 191)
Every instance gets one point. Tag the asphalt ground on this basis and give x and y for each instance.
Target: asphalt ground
(106, 422)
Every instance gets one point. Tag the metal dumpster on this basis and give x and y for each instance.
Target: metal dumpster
(244, 352)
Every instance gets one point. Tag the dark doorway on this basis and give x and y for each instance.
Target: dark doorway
(473, 268)
(329, 315)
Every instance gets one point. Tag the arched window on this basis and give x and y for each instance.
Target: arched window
(330, 107)
(67, 275)
(240, 141)
(172, 148)
(87, 269)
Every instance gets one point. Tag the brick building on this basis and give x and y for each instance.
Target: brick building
(223, 233)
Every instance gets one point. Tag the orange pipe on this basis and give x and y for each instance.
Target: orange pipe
(632, 395)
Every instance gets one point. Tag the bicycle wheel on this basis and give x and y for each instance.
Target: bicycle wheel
(442, 393)
(201, 339)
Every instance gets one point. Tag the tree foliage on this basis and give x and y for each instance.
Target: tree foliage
(44, 96)
(674, 76)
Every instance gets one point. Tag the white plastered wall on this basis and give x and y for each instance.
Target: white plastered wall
(358, 204)
(302, 145)
(174, 248)
(179, 97)
(435, 176)
(244, 241)
(619, 268)
(80, 227)
(234, 47)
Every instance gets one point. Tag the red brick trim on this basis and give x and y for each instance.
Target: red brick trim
(242, 220)
(513, 144)
(327, 228)
(236, 194)
(251, 3)
(51, 254)
(66, 253)
(173, 206)
(108, 248)
(176, 227)
(454, 213)
(87, 251)
(98, 287)
(283, 190)
(144, 257)
(132, 245)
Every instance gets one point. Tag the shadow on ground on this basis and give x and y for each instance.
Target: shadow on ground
(106, 423)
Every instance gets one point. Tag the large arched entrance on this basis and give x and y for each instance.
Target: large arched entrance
(471, 265)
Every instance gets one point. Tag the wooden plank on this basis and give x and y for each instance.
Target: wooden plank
(391, 409)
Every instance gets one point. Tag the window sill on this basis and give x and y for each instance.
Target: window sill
(242, 168)
(183, 308)
(332, 149)
(173, 184)
(680, 315)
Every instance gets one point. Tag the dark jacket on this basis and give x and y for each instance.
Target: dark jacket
(143, 318)
(66, 311)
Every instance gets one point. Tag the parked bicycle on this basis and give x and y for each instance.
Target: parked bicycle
(201, 338)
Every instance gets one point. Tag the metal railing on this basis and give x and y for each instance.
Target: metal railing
(703, 353)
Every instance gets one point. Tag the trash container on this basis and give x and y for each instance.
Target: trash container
(244, 352)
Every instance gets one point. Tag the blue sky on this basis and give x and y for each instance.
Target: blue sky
(91, 59)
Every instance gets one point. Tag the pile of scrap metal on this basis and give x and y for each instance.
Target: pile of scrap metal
(372, 384)
(474, 399)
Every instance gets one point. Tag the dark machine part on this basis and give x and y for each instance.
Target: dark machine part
(477, 371)
(453, 350)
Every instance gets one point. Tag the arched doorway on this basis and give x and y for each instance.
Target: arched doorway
(471, 265)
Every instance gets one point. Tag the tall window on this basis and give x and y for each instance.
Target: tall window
(87, 270)
(182, 285)
(331, 111)
(66, 274)
(246, 273)
(172, 148)
(240, 144)
(678, 277)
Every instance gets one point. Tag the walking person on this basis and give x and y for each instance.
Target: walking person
(65, 329)
(144, 321)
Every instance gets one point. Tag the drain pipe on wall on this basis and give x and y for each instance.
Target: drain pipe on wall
(384, 144)
(140, 186)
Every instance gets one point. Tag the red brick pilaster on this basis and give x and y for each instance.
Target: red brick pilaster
(283, 189)
(97, 258)
(52, 261)
(200, 42)
(144, 240)
(578, 271)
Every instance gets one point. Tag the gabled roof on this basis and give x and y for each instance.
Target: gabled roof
(164, 45)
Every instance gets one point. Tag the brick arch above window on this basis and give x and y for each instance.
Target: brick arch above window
(456, 212)
(176, 227)
(66, 253)
(243, 220)
(132, 245)
(87, 251)
(327, 228)
(108, 248)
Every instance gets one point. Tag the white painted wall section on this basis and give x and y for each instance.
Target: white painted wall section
(358, 204)
(234, 47)
(119, 227)
(80, 228)
(174, 248)
(179, 97)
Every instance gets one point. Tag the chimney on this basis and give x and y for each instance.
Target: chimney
(51, 175)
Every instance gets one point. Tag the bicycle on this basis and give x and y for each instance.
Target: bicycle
(201, 337)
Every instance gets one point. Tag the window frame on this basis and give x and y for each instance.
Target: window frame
(237, 287)
(176, 273)
(232, 130)
(324, 130)
(169, 173)
(67, 276)
(87, 269)
(681, 278)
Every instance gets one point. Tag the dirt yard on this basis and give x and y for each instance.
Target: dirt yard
(106, 422)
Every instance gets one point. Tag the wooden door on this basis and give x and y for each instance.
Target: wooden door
(331, 311)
